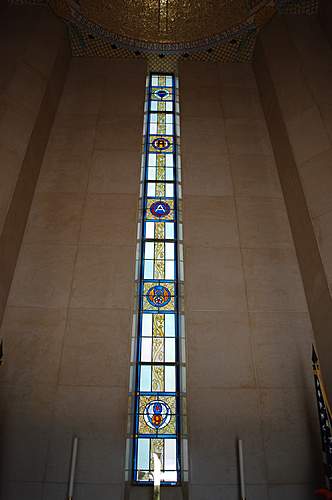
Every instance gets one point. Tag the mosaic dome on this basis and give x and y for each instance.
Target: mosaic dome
(163, 25)
(169, 21)
(204, 30)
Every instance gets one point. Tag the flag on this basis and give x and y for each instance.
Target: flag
(325, 421)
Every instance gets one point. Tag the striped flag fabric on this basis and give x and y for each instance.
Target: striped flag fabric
(325, 421)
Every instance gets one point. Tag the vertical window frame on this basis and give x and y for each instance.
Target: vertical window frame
(175, 281)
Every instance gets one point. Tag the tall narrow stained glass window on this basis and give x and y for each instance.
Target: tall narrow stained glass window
(157, 404)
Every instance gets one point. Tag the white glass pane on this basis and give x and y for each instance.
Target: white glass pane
(169, 251)
(149, 250)
(169, 270)
(181, 271)
(169, 81)
(154, 105)
(181, 251)
(169, 129)
(184, 447)
(147, 324)
(149, 230)
(143, 454)
(153, 128)
(145, 382)
(183, 350)
(137, 269)
(169, 118)
(153, 118)
(154, 81)
(152, 160)
(169, 230)
(169, 161)
(169, 174)
(169, 378)
(180, 231)
(170, 350)
(152, 173)
(169, 106)
(148, 269)
(170, 477)
(170, 454)
(146, 348)
(169, 190)
(132, 376)
(138, 231)
(133, 350)
(151, 189)
(169, 325)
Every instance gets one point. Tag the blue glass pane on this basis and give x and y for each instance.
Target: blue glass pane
(170, 230)
(145, 382)
(143, 454)
(170, 325)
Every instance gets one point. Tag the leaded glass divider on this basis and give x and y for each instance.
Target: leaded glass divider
(157, 394)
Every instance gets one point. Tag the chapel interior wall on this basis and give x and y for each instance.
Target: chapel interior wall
(68, 319)
(67, 323)
(34, 54)
(293, 65)
(247, 323)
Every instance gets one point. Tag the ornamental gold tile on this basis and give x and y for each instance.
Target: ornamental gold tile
(164, 31)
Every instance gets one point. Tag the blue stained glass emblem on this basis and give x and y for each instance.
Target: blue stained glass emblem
(161, 143)
(162, 93)
(157, 414)
(160, 209)
(159, 296)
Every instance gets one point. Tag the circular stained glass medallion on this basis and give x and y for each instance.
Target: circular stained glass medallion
(159, 296)
(157, 414)
(161, 143)
(160, 209)
(161, 93)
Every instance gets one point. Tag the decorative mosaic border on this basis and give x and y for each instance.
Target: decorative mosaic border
(236, 50)
(233, 45)
(69, 10)
(306, 7)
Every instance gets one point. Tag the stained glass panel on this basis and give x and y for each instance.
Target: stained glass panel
(156, 408)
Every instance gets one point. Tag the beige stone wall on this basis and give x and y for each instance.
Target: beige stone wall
(34, 53)
(68, 321)
(293, 66)
(29, 40)
(248, 330)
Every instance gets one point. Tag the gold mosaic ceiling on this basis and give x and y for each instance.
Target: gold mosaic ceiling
(167, 20)
(205, 30)
(158, 24)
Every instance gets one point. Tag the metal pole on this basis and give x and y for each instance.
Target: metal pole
(156, 477)
(241, 469)
(72, 468)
